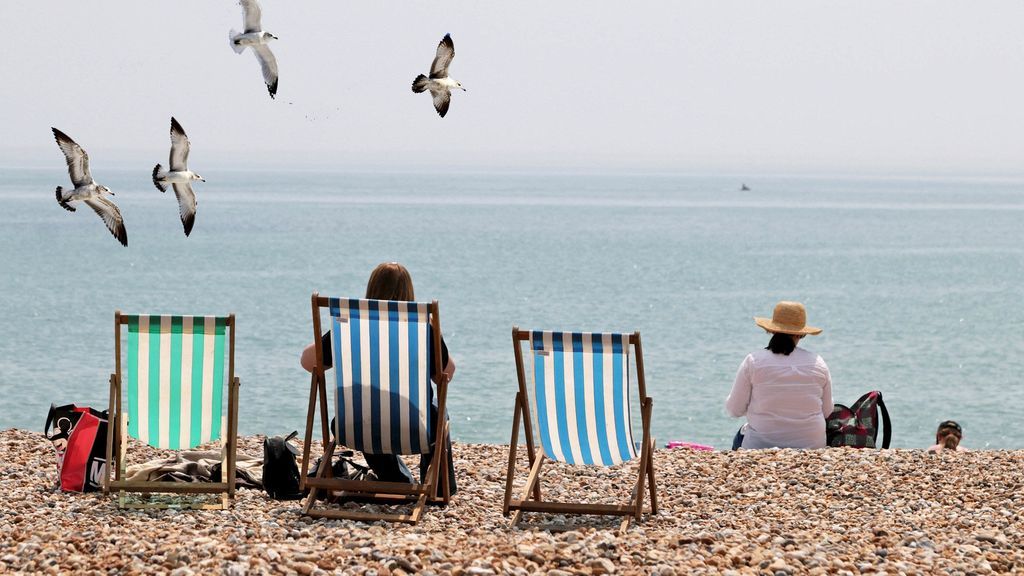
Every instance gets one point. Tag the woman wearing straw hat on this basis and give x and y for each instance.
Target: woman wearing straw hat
(784, 391)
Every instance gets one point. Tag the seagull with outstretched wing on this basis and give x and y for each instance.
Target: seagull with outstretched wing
(439, 83)
(86, 189)
(179, 176)
(256, 38)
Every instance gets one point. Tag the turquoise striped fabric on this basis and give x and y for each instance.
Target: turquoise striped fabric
(581, 396)
(175, 378)
(382, 361)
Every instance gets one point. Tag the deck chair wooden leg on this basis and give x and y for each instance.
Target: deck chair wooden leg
(321, 472)
(625, 525)
(645, 456)
(111, 430)
(531, 481)
(417, 510)
(441, 491)
(431, 480)
(638, 496)
(228, 471)
(648, 409)
(308, 438)
(122, 441)
(652, 485)
(446, 446)
(513, 446)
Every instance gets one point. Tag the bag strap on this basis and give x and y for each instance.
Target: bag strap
(49, 420)
(887, 432)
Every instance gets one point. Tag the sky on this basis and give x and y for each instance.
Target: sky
(881, 87)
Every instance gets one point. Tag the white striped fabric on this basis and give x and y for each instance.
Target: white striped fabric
(175, 379)
(382, 364)
(581, 396)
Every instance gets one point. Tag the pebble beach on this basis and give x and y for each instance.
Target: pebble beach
(836, 511)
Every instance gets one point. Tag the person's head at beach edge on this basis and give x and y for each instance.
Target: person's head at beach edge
(390, 281)
(948, 436)
(788, 325)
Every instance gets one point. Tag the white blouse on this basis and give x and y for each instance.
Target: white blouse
(785, 399)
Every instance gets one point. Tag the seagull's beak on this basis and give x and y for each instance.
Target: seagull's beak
(203, 179)
(463, 89)
(111, 192)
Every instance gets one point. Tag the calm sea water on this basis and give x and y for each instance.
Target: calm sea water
(919, 284)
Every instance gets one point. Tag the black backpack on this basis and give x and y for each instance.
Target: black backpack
(857, 426)
(280, 471)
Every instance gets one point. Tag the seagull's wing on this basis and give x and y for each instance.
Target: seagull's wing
(111, 217)
(251, 15)
(179, 147)
(269, 65)
(445, 53)
(186, 205)
(441, 100)
(78, 160)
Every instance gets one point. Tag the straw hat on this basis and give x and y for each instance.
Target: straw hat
(788, 318)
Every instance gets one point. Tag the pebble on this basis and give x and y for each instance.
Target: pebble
(601, 566)
(779, 512)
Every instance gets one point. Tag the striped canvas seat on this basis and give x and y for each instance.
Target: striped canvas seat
(171, 374)
(175, 379)
(580, 402)
(581, 396)
(382, 375)
(383, 354)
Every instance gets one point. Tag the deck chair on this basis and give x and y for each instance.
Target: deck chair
(170, 395)
(580, 398)
(383, 360)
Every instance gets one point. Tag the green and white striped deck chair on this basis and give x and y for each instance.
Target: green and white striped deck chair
(170, 396)
(580, 400)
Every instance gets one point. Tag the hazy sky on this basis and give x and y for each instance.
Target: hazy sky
(886, 86)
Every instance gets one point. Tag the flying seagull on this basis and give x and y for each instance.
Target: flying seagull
(179, 176)
(439, 83)
(256, 37)
(86, 189)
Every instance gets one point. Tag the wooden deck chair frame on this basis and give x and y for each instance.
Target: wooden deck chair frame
(531, 499)
(371, 491)
(117, 439)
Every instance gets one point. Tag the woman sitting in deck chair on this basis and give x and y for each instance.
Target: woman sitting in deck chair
(390, 281)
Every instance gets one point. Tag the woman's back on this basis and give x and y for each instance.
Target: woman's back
(784, 391)
(786, 406)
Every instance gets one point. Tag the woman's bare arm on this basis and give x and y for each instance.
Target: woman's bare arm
(308, 359)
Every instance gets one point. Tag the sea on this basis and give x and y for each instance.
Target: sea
(918, 283)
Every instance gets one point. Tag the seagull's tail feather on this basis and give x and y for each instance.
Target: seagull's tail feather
(156, 179)
(419, 84)
(234, 45)
(60, 200)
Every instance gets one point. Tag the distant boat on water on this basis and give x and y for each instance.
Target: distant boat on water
(744, 188)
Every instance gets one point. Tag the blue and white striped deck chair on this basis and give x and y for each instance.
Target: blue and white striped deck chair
(170, 395)
(580, 399)
(384, 353)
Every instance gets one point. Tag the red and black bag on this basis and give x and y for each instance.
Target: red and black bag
(80, 439)
(858, 425)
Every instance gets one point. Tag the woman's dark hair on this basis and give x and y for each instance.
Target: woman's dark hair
(781, 344)
(390, 281)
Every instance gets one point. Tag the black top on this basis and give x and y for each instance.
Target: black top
(325, 345)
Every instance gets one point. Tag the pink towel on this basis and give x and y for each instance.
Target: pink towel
(690, 445)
